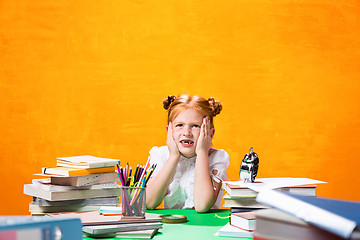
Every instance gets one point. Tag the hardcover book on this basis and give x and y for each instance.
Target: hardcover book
(85, 180)
(243, 191)
(231, 231)
(30, 189)
(103, 229)
(68, 171)
(244, 220)
(86, 162)
(94, 218)
(100, 201)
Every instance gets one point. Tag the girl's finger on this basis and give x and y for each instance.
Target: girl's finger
(206, 125)
(203, 127)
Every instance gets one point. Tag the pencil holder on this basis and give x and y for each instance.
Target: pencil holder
(133, 202)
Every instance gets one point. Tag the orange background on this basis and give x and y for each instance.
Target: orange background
(89, 77)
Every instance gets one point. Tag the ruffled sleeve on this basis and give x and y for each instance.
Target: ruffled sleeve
(158, 156)
(219, 162)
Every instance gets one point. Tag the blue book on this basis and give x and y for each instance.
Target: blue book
(40, 228)
(337, 216)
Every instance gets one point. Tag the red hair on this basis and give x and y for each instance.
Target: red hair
(174, 105)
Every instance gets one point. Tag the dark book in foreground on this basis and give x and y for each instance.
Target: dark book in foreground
(30, 227)
(337, 216)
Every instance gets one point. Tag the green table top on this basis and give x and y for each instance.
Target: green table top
(198, 226)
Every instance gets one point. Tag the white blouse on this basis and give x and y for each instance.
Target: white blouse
(180, 191)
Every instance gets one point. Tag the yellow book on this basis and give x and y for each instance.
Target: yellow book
(68, 171)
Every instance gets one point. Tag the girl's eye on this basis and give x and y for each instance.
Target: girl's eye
(178, 125)
(196, 126)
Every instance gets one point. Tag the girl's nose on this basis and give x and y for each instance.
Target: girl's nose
(187, 131)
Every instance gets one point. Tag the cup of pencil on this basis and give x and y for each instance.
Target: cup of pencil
(133, 202)
(134, 189)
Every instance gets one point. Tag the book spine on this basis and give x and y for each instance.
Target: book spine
(307, 212)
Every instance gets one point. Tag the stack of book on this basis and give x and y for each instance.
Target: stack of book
(81, 183)
(100, 225)
(241, 198)
(241, 224)
(293, 216)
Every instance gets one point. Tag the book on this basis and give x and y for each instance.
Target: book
(68, 172)
(231, 231)
(240, 210)
(275, 224)
(85, 180)
(100, 201)
(30, 189)
(142, 234)
(36, 209)
(95, 218)
(244, 220)
(86, 162)
(39, 228)
(103, 229)
(242, 202)
(337, 216)
(46, 185)
(304, 186)
(243, 191)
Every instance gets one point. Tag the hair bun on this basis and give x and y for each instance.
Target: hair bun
(216, 106)
(167, 101)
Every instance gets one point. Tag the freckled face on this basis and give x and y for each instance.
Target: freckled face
(186, 131)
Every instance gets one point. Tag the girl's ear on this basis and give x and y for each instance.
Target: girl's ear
(212, 132)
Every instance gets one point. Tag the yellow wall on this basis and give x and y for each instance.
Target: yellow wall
(88, 77)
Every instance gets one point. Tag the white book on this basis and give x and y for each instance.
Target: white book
(140, 234)
(85, 180)
(101, 201)
(86, 161)
(46, 185)
(243, 220)
(30, 189)
(34, 208)
(102, 229)
(231, 231)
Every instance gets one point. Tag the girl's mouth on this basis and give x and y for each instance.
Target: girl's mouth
(187, 143)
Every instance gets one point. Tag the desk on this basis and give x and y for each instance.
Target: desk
(199, 225)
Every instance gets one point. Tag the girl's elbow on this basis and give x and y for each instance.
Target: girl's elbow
(150, 206)
(202, 208)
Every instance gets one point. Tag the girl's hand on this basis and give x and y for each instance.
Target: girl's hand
(170, 142)
(205, 137)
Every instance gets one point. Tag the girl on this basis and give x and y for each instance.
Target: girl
(189, 171)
